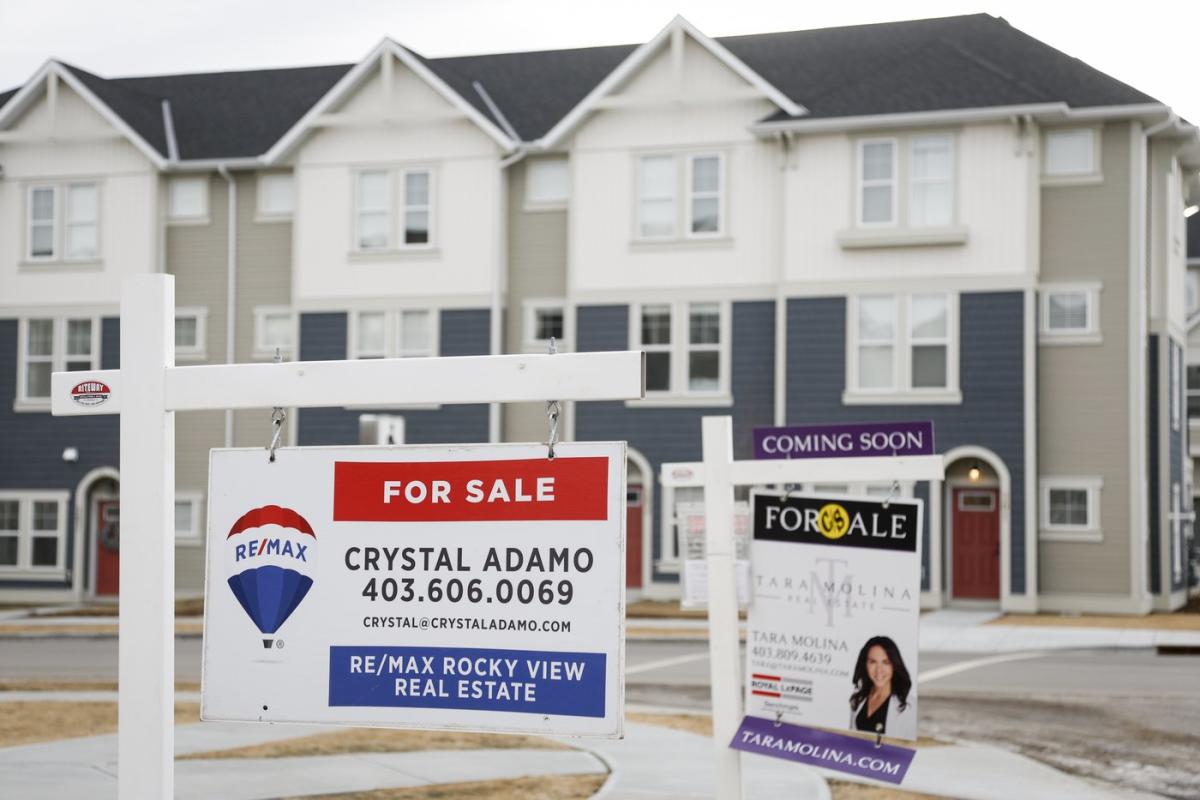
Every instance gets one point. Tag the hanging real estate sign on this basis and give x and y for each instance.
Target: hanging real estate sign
(469, 587)
(833, 624)
(689, 518)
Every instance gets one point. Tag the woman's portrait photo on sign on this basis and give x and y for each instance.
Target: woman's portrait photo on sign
(880, 701)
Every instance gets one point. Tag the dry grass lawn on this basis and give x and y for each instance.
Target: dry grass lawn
(38, 685)
(691, 723)
(381, 740)
(38, 721)
(549, 787)
(99, 630)
(666, 609)
(843, 790)
(1178, 621)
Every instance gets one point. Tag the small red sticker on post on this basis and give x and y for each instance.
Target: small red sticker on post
(471, 491)
(90, 393)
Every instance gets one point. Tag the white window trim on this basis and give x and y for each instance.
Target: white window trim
(391, 331)
(860, 182)
(199, 351)
(678, 394)
(914, 182)
(428, 208)
(59, 225)
(638, 236)
(533, 204)
(55, 228)
(1089, 335)
(530, 307)
(356, 211)
(1093, 175)
(901, 392)
(261, 348)
(58, 358)
(1092, 532)
(195, 536)
(25, 534)
(200, 218)
(263, 215)
(690, 194)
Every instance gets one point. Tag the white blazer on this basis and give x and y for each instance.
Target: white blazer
(899, 723)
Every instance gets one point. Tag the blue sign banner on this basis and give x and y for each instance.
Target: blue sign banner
(862, 757)
(526, 681)
(859, 440)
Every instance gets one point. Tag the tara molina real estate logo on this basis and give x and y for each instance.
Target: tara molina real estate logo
(270, 553)
(90, 393)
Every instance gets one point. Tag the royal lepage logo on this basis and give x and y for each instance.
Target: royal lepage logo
(270, 555)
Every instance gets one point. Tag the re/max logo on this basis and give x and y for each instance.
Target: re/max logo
(271, 547)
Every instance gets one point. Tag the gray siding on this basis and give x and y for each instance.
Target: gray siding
(673, 434)
(462, 333)
(991, 377)
(1154, 510)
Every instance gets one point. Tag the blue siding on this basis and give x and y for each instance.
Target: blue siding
(673, 434)
(33, 442)
(991, 377)
(462, 333)
(1154, 510)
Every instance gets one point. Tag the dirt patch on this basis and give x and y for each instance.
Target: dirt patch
(48, 721)
(548, 787)
(77, 686)
(381, 740)
(666, 609)
(843, 790)
(1177, 621)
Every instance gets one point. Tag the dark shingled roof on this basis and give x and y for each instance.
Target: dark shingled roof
(888, 68)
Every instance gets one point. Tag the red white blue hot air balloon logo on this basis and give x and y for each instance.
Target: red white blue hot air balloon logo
(271, 555)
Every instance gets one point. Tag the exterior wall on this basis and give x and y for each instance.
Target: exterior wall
(1083, 388)
(991, 377)
(323, 338)
(537, 269)
(673, 434)
(128, 206)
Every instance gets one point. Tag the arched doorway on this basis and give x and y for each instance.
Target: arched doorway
(97, 523)
(639, 486)
(977, 529)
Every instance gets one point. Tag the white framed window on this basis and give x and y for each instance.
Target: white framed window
(418, 207)
(62, 222)
(657, 185)
(82, 222)
(547, 183)
(276, 195)
(191, 333)
(1191, 291)
(877, 179)
(33, 527)
(52, 344)
(188, 525)
(902, 349)
(187, 199)
(41, 231)
(1070, 508)
(687, 348)
(372, 210)
(274, 328)
(401, 333)
(1193, 390)
(1070, 313)
(705, 195)
(545, 318)
(1071, 153)
(931, 181)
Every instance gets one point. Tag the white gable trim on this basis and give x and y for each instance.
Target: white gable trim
(639, 57)
(31, 92)
(356, 76)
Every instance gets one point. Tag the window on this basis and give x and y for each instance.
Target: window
(1193, 390)
(1191, 289)
(405, 333)
(417, 207)
(53, 345)
(902, 348)
(275, 195)
(704, 195)
(33, 532)
(42, 236)
(1070, 313)
(187, 517)
(656, 197)
(686, 346)
(931, 181)
(877, 182)
(545, 319)
(1071, 509)
(191, 326)
(274, 328)
(63, 222)
(188, 199)
(373, 211)
(701, 184)
(1070, 153)
(547, 183)
(375, 225)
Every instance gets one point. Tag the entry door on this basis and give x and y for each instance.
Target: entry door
(976, 546)
(633, 537)
(107, 537)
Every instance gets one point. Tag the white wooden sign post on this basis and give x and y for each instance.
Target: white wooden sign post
(718, 473)
(149, 388)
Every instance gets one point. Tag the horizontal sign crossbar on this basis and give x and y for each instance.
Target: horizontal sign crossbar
(826, 470)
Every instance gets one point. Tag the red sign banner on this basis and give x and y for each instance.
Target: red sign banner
(471, 491)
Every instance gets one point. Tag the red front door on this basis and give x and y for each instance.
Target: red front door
(107, 538)
(633, 537)
(976, 546)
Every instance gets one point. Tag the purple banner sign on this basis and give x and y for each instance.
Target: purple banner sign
(845, 441)
(816, 748)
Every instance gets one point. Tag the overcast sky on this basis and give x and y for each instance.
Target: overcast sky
(1150, 44)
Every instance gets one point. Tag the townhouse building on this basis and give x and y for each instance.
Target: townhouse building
(941, 219)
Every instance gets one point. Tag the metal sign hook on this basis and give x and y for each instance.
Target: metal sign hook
(278, 415)
(553, 411)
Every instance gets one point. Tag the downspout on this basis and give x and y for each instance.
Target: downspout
(230, 286)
